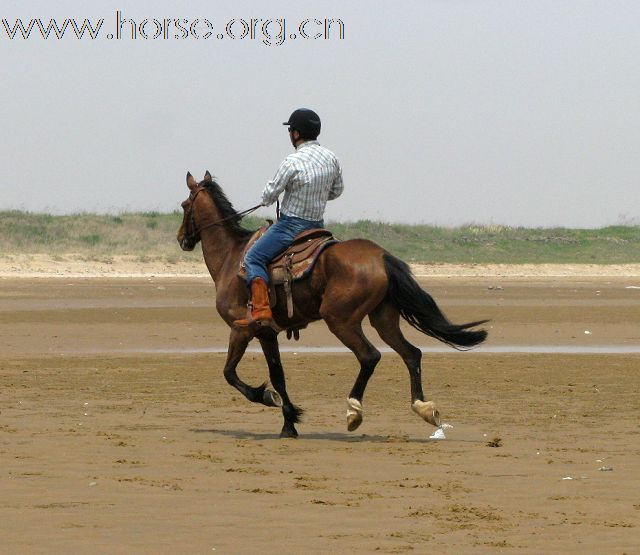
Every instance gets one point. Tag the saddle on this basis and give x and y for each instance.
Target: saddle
(293, 264)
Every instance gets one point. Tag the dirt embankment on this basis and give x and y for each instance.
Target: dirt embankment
(73, 265)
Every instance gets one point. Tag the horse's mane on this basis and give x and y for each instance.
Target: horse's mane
(226, 208)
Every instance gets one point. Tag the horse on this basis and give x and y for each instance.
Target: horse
(350, 280)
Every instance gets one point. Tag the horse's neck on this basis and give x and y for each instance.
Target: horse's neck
(219, 248)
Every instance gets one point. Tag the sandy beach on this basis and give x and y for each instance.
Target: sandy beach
(119, 433)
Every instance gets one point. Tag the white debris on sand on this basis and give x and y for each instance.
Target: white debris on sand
(439, 432)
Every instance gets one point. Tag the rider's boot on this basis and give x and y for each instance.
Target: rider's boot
(260, 311)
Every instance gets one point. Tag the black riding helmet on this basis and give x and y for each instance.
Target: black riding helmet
(306, 122)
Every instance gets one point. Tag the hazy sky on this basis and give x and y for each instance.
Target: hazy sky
(441, 111)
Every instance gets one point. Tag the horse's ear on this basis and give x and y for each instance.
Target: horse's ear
(207, 176)
(191, 182)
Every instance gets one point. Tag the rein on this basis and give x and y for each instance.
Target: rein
(238, 215)
(197, 229)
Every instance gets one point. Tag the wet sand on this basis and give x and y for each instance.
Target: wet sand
(117, 435)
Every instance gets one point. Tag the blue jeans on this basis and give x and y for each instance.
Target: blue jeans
(275, 241)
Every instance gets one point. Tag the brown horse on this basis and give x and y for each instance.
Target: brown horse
(351, 280)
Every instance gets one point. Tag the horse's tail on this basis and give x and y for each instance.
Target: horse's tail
(418, 308)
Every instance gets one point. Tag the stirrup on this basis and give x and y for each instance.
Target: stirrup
(250, 322)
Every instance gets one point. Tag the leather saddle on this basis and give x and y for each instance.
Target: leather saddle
(298, 260)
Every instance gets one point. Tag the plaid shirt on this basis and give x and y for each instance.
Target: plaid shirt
(309, 178)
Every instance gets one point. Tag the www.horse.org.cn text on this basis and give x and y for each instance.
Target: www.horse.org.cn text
(267, 31)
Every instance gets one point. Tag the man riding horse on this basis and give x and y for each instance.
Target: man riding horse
(309, 178)
(349, 281)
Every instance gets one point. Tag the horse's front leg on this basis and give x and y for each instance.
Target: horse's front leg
(269, 342)
(238, 341)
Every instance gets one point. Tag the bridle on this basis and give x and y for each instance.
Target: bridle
(195, 230)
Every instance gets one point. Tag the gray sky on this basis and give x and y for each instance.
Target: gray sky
(444, 112)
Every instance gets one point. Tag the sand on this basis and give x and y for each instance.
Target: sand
(118, 433)
(190, 265)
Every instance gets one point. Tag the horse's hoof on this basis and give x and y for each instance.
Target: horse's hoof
(353, 422)
(354, 414)
(427, 411)
(271, 398)
(288, 431)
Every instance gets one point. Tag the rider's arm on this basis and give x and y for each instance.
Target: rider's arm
(337, 186)
(278, 184)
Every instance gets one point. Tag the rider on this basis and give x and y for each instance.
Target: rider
(309, 177)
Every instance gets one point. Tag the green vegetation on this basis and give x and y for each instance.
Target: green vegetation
(500, 244)
(151, 235)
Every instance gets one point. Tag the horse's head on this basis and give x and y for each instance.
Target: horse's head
(188, 234)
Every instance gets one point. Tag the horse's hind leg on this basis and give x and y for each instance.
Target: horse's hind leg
(238, 341)
(291, 413)
(350, 333)
(386, 320)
